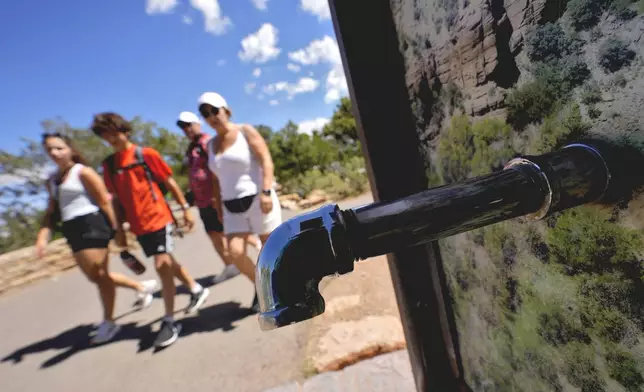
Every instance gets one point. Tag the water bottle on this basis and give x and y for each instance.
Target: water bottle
(132, 262)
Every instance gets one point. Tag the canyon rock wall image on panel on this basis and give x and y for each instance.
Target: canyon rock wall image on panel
(557, 304)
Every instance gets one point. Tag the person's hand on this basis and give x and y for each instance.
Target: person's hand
(188, 220)
(120, 239)
(40, 248)
(266, 203)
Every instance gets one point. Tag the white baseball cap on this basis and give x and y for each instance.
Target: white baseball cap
(189, 117)
(212, 99)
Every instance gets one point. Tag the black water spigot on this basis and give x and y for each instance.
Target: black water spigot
(327, 241)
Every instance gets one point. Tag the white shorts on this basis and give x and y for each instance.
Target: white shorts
(253, 220)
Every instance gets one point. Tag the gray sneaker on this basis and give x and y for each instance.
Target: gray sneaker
(229, 272)
(168, 334)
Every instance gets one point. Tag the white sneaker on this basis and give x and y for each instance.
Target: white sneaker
(144, 298)
(105, 332)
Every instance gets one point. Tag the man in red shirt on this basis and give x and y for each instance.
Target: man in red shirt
(136, 193)
(201, 184)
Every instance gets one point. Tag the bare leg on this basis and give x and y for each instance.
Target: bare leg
(220, 242)
(93, 263)
(123, 281)
(164, 265)
(182, 274)
(237, 248)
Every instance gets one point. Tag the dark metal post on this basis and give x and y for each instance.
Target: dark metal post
(375, 71)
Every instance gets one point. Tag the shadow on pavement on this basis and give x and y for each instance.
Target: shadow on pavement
(205, 281)
(77, 339)
(219, 316)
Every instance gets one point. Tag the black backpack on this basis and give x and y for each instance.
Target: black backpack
(109, 164)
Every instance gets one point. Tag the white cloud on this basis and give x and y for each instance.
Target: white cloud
(160, 6)
(273, 102)
(320, 8)
(249, 88)
(325, 51)
(221, 63)
(260, 4)
(312, 125)
(187, 19)
(260, 47)
(304, 85)
(215, 22)
(257, 72)
(293, 67)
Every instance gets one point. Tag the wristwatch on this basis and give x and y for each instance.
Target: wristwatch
(266, 192)
(185, 206)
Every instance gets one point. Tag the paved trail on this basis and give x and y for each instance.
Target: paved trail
(44, 329)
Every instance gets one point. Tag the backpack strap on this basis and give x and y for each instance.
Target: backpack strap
(138, 154)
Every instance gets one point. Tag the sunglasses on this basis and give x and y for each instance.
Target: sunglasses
(183, 125)
(208, 110)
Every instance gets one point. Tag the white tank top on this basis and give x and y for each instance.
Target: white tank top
(73, 199)
(237, 169)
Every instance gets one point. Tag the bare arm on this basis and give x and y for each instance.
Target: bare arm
(260, 149)
(99, 193)
(174, 188)
(44, 233)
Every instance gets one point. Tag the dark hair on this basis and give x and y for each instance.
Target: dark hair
(109, 121)
(76, 155)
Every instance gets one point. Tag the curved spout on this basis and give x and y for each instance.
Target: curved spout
(296, 256)
(305, 249)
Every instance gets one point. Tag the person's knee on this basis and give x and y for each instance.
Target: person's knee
(236, 250)
(163, 264)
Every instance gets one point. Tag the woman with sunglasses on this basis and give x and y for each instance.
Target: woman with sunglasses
(243, 180)
(78, 197)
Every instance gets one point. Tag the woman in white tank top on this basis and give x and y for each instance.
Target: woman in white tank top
(79, 199)
(242, 165)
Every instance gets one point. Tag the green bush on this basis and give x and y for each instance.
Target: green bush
(547, 43)
(591, 94)
(560, 129)
(584, 14)
(529, 103)
(580, 368)
(558, 328)
(473, 149)
(623, 368)
(615, 54)
(492, 148)
(585, 241)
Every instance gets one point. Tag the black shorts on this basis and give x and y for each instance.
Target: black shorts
(91, 231)
(210, 220)
(157, 242)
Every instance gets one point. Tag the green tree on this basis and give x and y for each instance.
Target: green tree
(343, 129)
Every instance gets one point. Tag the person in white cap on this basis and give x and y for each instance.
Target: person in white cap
(242, 166)
(200, 180)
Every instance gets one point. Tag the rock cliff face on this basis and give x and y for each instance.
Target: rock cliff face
(470, 44)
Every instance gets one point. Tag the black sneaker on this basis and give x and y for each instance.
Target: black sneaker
(168, 334)
(196, 300)
(255, 306)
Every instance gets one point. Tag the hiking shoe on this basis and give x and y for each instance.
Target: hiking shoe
(168, 334)
(229, 272)
(196, 300)
(144, 298)
(105, 332)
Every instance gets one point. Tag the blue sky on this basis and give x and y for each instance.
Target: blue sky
(153, 58)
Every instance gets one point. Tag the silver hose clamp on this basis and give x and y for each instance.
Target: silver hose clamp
(547, 201)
